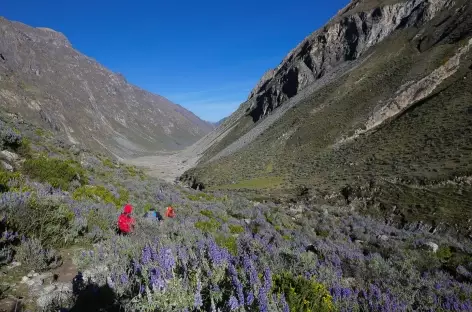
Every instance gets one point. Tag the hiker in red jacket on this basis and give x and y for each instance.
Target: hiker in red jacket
(170, 212)
(125, 221)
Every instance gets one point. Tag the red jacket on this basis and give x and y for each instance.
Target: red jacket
(170, 212)
(125, 221)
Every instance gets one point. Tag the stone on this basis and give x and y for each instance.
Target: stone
(432, 246)
(24, 279)
(383, 237)
(49, 289)
(7, 166)
(9, 156)
(247, 221)
(31, 273)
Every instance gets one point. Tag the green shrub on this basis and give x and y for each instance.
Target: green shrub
(227, 242)
(302, 294)
(444, 253)
(100, 193)
(207, 213)
(236, 229)
(46, 219)
(95, 219)
(200, 196)
(210, 226)
(6, 177)
(59, 173)
(24, 149)
(108, 163)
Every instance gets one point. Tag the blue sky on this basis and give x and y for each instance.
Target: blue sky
(204, 55)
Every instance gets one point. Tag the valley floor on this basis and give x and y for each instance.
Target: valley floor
(166, 166)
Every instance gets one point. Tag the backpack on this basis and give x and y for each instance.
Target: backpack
(124, 223)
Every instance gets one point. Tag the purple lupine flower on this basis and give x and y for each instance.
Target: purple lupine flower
(263, 302)
(146, 255)
(198, 295)
(236, 283)
(267, 279)
(250, 298)
(156, 279)
(124, 279)
(284, 304)
(233, 303)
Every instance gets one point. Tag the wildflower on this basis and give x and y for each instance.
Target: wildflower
(146, 255)
(198, 296)
(233, 303)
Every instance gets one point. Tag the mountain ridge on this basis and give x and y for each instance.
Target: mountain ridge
(45, 79)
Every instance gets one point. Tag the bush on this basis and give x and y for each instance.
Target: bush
(302, 294)
(59, 173)
(33, 255)
(227, 242)
(100, 193)
(236, 229)
(11, 138)
(207, 213)
(208, 226)
(46, 219)
(5, 178)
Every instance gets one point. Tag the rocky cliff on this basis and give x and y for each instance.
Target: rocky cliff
(43, 78)
(358, 27)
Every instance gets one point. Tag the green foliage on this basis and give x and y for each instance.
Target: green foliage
(302, 294)
(132, 171)
(45, 219)
(108, 163)
(210, 226)
(59, 173)
(5, 177)
(24, 149)
(207, 213)
(100, 193)
(444, 253)
(236, 229)
(95, 219)
(147, 207)
(228, 242)
(201, 196)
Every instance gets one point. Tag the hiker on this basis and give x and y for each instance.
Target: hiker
(153, 215)
(125, 221)
(170, 212)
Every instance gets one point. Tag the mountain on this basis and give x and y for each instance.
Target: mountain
(43, 78)
(373, 109)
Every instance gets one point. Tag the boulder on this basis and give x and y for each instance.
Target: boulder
(7, 166)
(9, 156)
(432, 246)
(383, 237)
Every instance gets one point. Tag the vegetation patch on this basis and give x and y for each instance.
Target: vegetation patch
(59, 173)
(100, 193)
(210, 226)
(256, 183)
(303, 294)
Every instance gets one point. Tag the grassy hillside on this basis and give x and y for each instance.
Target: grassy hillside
(58, 210)
(403, 164)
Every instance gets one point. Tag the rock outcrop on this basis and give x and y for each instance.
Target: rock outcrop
(345, 38)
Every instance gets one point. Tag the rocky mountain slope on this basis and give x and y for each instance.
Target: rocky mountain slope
(372, 109)
(45, 79)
